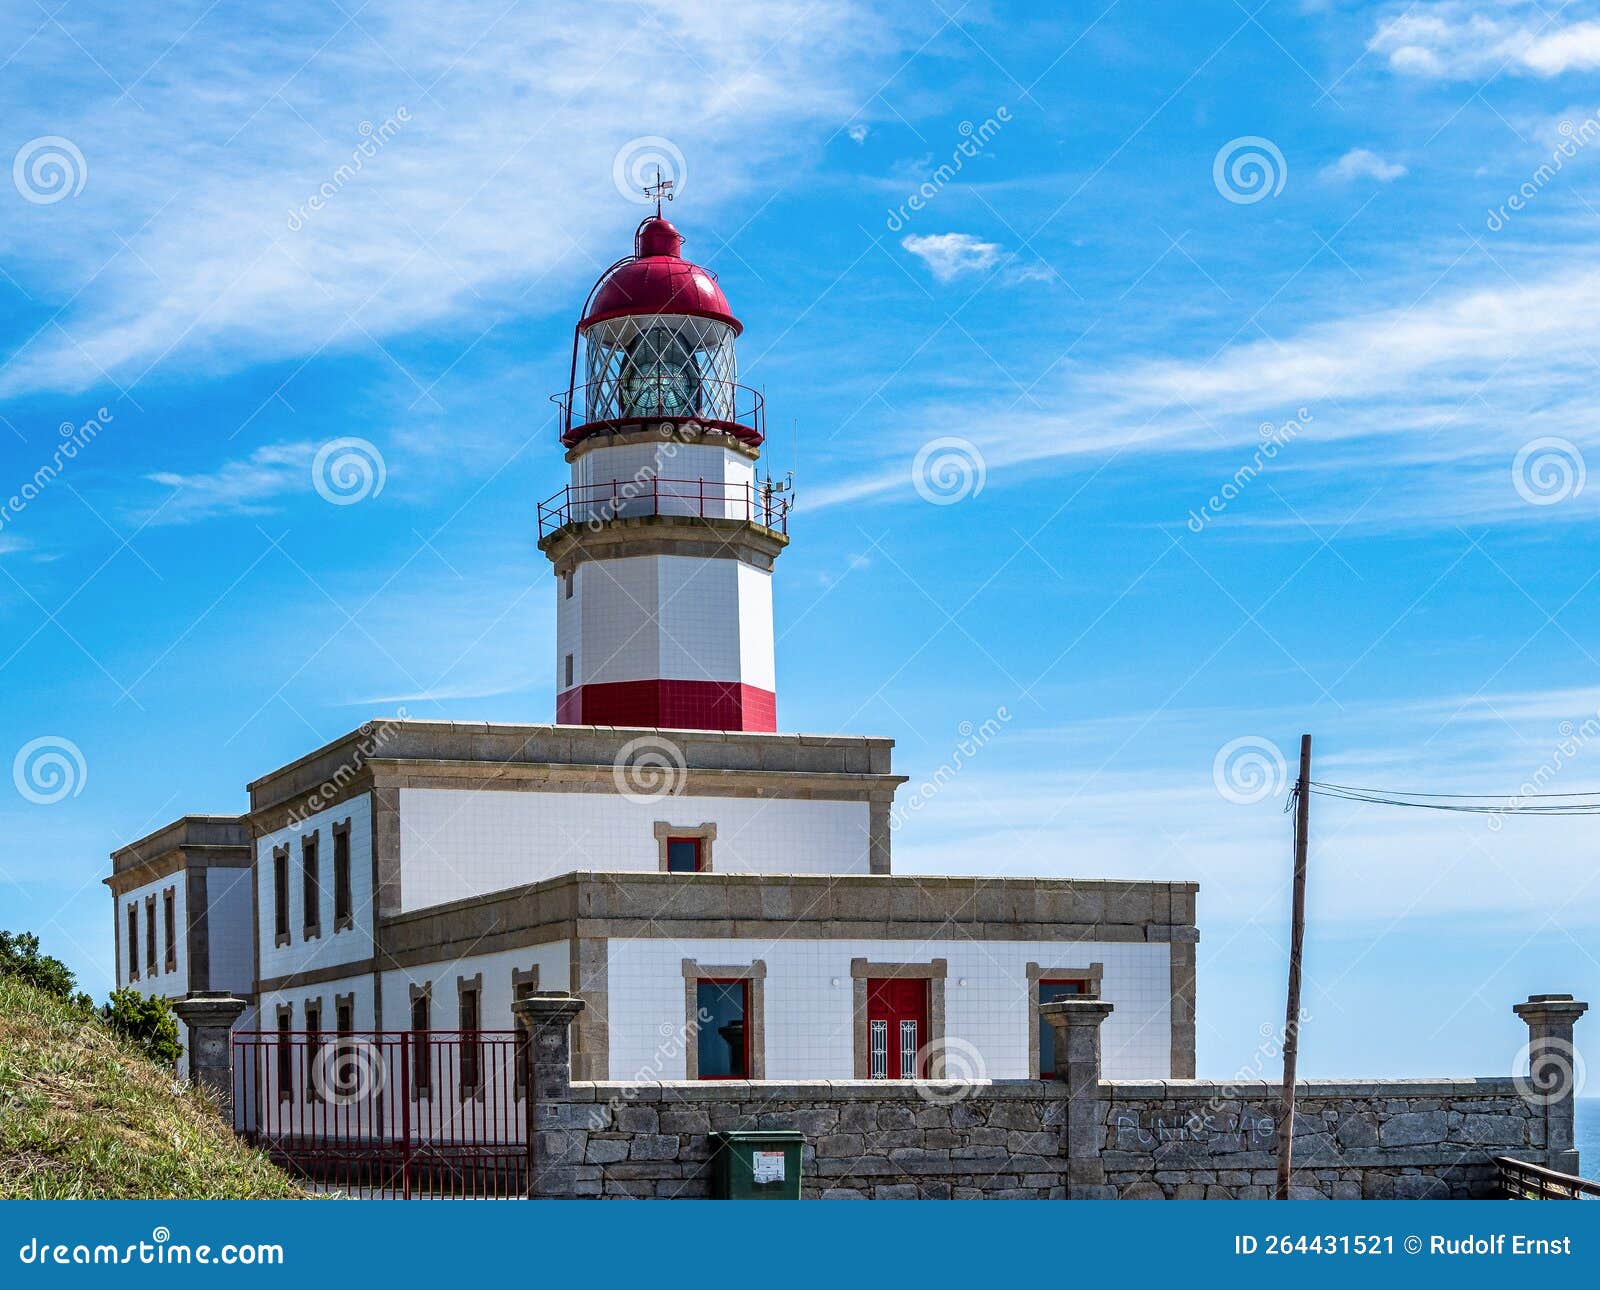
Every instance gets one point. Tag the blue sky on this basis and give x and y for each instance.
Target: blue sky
(1170, 226)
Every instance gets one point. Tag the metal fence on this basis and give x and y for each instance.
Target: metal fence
(1522, 1181)
(391, 1113)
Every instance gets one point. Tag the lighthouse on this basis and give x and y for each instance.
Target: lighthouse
(664, 540)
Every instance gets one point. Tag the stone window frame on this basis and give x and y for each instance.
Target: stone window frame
(1091, 976)
(522, 980)
(284, 1013)
(705, 831)
(344, 1001)
(934, 970)
(475, 1090)
(421, 1050)
(133, 941)
(315, 1037)
(311, 867)
(754, 975)
(150, 960)
(282, 926)
(346, 921)
(169, 928)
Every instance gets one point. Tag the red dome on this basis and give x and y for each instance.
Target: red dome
(659, 281)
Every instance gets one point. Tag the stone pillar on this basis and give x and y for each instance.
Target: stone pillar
(1075, 1030)
(1552, 1071)
(556, 1133)
(210, 1016)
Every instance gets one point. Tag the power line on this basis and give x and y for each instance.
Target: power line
(1546, 804)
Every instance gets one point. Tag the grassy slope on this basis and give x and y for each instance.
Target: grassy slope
(84, 1116)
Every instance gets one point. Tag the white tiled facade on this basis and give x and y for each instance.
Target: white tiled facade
(457, 843)
(809, 1001)
(664, 478)
(553, 959)
(666, 617)
(162, 981)
(332, 946)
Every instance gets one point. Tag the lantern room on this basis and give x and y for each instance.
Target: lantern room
(656, 343)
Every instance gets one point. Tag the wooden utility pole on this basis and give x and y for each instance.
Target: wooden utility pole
(1297, 936)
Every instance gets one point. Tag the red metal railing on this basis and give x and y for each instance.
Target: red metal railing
(629, 498)
(599, 405)
(394, 1113)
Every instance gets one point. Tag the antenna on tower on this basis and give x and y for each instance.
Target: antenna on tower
(662, 188)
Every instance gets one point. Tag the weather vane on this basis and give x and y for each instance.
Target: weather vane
(661, 188)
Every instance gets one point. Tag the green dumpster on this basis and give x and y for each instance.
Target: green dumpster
(756, 1164)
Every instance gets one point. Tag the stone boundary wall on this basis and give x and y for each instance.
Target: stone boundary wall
(1366, 1140)
(1077, 1137)
(1182, 1139)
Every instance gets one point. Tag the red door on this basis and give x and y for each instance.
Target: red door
(897, 1028)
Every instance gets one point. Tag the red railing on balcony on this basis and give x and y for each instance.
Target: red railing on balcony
(616, 404)
(711, 499)
(393, 1113)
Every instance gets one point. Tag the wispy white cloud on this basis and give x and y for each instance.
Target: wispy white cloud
(245, 486)
(1446, 384)
(194, 225)
(1359, 163)
(1459, 39)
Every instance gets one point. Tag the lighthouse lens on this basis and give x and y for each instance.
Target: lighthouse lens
(659, 376)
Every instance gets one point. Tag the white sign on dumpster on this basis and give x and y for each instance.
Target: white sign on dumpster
(767, 1166)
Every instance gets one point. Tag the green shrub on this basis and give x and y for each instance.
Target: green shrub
(146, 1021)
(20, 957)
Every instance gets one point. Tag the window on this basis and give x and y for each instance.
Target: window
(471, 1068)
(280, 895)
(344, 1012)
(285, 1062)
(567, 671)
(311, 887)
(150, 935)
(723, 1040)
(683, 855)
(566, 585)
(524, 985)
(133, 942)
(314, 1076)
(421, 1056)
(169, 916)
(342, 912)
(1049, 992)
(685, 848)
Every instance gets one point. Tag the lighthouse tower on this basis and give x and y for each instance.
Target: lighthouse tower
(664, 541)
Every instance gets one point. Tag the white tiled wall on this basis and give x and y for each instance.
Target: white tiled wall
(554, 961)
(332, 947)
(809, 1001)
(170, 984)
(231, 947)
(458, 843)
(326, 991)
(666, 617)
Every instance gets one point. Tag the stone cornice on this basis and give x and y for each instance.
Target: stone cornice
(685, 535)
